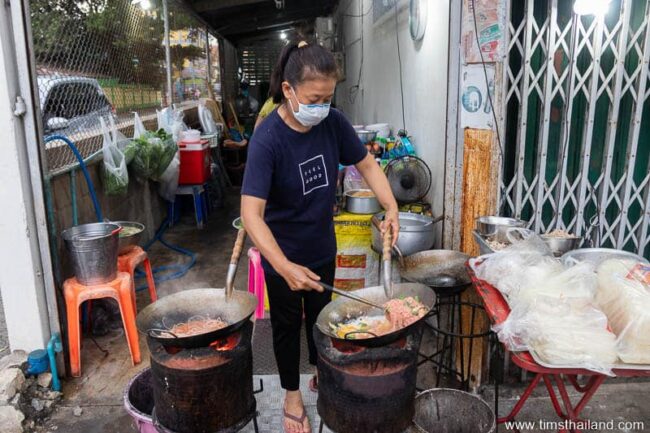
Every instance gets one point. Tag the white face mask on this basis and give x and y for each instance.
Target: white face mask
(309, 114)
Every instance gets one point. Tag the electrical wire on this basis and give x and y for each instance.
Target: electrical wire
(399, 62)
(487, 80)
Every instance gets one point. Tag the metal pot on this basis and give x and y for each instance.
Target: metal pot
(361, 205)
(415, 232)
(93, 249)
(496, 228)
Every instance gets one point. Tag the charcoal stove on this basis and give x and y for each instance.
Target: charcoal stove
(205, 389)
(367, 389)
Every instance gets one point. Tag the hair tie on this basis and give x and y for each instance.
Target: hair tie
(302, 44)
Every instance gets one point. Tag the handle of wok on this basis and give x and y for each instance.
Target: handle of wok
(388, 266)
(239, 246)
(234, 260)
(388, 240)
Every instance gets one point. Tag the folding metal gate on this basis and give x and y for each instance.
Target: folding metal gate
(577, 121)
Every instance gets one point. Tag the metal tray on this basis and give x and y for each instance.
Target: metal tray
(597, 255)
(617, 365)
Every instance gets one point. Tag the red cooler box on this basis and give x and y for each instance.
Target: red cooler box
(195, 163)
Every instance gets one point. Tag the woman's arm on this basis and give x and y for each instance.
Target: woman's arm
(298, 277)
(376, 179)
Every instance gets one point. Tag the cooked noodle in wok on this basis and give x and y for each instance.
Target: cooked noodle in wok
(400, 313)
(197, 325)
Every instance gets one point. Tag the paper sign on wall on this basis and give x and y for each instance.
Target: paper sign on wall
(476, 111)
(490, 21)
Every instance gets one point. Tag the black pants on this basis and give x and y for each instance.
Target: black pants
(286, 321)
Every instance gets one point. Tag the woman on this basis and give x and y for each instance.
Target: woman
(287, 203)
(268, 106)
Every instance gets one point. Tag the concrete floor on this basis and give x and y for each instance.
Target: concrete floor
(99, 392)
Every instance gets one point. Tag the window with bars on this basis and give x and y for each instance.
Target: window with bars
(257, 61)
(578, 121)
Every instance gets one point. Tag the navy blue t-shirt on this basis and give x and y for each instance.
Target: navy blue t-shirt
(296, 174)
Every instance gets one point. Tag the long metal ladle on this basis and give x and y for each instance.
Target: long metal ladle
(350, 296)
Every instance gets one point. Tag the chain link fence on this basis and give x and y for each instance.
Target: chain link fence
(106, 58)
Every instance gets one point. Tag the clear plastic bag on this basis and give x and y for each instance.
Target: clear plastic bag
(527, 262)
(561, 334)
(115, 174)
(152, 152)
(624, 295)
(171, 120)
(552, 306)
(575, 285)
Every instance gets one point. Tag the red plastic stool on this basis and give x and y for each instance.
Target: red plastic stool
(120, 289)
(130, 260)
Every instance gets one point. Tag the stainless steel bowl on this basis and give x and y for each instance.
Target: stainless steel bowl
(560, 246)
(496, 228)
(127, 241)
(361, 205)
(366, 136)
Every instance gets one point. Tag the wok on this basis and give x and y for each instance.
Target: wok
(342, 309)
(436, 268)
(233, 306)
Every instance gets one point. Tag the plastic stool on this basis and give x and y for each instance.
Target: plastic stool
(256, 280)
(120, 289)
(128, 261)
(200, 206)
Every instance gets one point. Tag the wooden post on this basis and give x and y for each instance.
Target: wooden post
(480, 186)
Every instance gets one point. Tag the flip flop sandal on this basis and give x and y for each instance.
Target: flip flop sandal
(313, 383)
(299, 419)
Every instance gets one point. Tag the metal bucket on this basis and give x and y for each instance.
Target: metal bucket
(443, 410)
(93, 249)
(138, 401)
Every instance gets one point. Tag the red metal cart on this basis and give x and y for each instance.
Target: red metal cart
(497, 310)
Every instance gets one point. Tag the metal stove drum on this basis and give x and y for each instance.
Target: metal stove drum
(205, 389)
(367, 389)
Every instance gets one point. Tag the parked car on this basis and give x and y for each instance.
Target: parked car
(72, 104)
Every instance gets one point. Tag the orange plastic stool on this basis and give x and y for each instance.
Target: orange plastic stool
(128, 261)
(120, 289)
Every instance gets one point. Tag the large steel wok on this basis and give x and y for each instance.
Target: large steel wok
(232, 306)
(343, 310)
(439, 269)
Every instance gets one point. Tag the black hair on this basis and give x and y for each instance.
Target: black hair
(299, 62)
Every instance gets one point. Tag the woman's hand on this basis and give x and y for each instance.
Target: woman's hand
(391, 222)
(299, 277)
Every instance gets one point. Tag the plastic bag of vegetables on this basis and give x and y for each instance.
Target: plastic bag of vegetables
(152, 151)
(115, 175)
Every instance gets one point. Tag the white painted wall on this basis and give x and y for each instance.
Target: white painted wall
(424, 72)
(21, 271)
